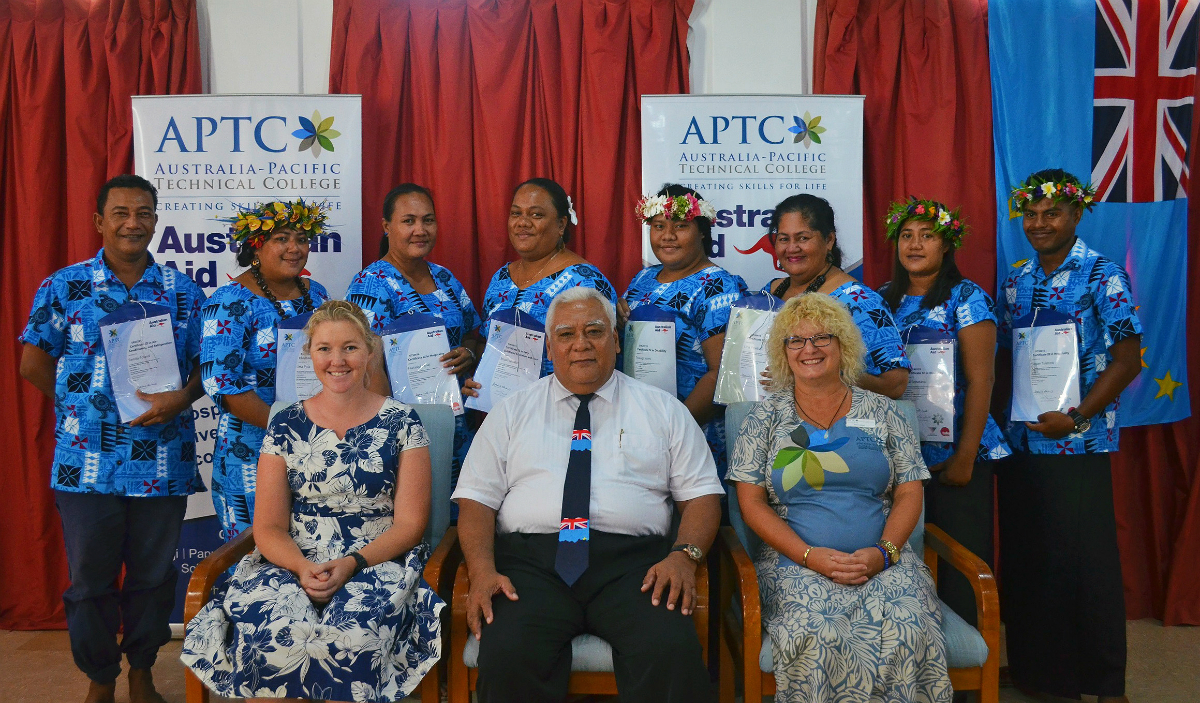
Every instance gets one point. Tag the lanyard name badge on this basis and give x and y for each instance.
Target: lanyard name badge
(744, 354)
(413, 347)
(139, 350)
(1045, 365)
(650, 347)
(931, 381)
(511, 360)
(295, 379)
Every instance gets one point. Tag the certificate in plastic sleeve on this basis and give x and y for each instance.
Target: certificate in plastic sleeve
(931, 381)
(295, 378)
(1045, 365)
(139, 350)
(512, 358)
(650, 347)
(744, 354)
(413, 347)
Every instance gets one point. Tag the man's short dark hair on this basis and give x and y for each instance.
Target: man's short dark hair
(125, 180)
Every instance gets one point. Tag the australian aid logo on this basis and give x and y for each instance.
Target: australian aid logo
(746, 154)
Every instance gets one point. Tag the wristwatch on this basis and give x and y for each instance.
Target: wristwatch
(1082, 424)
(693, 552)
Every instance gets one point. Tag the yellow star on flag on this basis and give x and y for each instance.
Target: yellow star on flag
(1166, 386)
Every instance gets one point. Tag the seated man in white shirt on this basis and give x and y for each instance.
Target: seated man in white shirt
(565, 506)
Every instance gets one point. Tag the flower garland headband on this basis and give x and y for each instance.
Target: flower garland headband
(1068, 190)
(947, 224)
(253, 225)
(681, 207)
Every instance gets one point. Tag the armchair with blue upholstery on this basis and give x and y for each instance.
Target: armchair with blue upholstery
(438, 421)
(745, 647)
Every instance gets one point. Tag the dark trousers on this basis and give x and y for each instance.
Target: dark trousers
(525, 654)
(1061, 594)
(102, 533)
(965, 513)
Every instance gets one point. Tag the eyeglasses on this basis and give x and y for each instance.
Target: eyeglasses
(818, 340)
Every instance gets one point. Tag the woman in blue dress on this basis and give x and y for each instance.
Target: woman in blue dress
(697, 291)
(805, 241)
(402, 281)
(539, 226)
(331, 604)
(927, 290)
(238, 342)
(829, 476)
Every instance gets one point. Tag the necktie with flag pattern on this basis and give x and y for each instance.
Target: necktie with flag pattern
(572, 558)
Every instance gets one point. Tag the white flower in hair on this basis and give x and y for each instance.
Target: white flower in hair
(571, 211)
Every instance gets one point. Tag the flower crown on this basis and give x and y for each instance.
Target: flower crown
(681, 207)
(947, 224)
(254, 225)
(1068, 190)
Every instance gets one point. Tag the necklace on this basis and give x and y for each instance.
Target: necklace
(538, 276)
(307, 305)
(813, 286)
(828, 424)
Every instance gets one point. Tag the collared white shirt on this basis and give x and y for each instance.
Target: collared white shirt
(647, 451)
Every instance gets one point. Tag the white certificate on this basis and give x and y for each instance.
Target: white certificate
(413, 347)
(139, 350)
(650, 347)
(512, 358)
(1045, 365)
(295, 379)
(931, 382)
(744, 354)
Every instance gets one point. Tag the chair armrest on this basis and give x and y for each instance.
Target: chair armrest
(443, 563)
(207, 571)
(739, 579)
(987, 599)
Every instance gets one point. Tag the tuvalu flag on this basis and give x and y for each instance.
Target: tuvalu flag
(1105, 90)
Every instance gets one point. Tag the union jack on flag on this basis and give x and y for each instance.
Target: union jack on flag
(573, 523)
(580, 434)
(1143, 99)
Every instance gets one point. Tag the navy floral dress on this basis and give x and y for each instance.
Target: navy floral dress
(502, 294)
(238, 354)
(701, 305)
(384, 294)
(260, 635)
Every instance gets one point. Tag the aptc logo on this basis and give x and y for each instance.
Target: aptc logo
(807, 130)
(318, 133)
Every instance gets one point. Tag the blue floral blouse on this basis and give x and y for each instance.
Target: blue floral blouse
(967, 305)
(384, 294)
(502, 294)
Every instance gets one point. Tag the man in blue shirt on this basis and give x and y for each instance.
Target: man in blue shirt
(120, 488)
(1063, 600)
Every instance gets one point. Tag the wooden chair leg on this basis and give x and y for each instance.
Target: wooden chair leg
(194, 690)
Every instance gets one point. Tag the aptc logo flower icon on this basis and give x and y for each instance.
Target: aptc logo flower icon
(316, 133)
(807, 129)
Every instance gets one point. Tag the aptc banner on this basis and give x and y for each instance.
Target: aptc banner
(745, 154)
(209, 154)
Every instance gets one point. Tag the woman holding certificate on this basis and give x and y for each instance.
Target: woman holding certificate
(937, 310)
(330, 605)
(829, 476)
(539, 226)
(806, 248)
(239, 345)
(403, 281)
(695, 292)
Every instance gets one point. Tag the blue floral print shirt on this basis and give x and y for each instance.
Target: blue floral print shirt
(384, 294)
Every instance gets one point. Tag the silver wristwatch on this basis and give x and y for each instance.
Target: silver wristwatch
(1082, 424)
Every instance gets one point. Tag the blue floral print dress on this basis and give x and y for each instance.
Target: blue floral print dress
(384, 294)
(380, 634)
(238, 354)
(967, 305)
(701, 305)
(502, 294)
(880, 641)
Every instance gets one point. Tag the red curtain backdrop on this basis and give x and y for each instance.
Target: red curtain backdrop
(923, 65)
(67, 71)
(471, 97)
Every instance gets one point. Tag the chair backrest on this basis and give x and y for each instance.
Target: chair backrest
(438, 421)
(735, 413)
